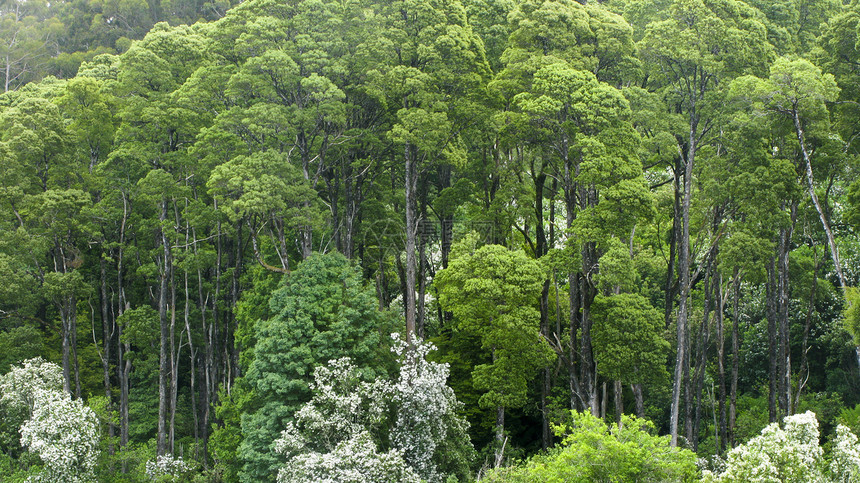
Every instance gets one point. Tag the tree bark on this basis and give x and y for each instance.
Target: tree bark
(722, 428)
(682, 355)
(411, 179)
(810, 184)
(772, 341)
(164, 343)
(736, 289)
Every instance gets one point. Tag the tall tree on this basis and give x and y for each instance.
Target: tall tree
(698, 45)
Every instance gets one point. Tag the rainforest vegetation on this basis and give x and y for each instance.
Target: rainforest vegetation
(429, 240)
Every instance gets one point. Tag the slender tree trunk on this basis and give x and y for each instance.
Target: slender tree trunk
(784, 247)
(164, 345)
(810, 185)
(803, 377)
(424, 232)
(722, 430)
(702, 349)
(640, 400)
(73, 332)
(619, 402)
(674, 235)
(123, 367)
(500, 436)
(604, 397)
(772, 340)
(577, 401)
(682, 356)
(67, 367)
(541, 250)
(736, 289)
(409, 307)
(587, 375)
(107, 339)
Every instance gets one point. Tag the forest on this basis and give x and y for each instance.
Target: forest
(429, 240)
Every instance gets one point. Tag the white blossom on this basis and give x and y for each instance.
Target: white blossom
(845, 462)
(354, 460)
(337, 436)
(426, 408)
(167, 468)
(17, 387)
(62, 431)
(778, 455)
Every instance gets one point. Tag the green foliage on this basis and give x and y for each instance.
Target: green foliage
(851, 315)
(591, 450)
(492, 291)
(629, 339)
(322, 311)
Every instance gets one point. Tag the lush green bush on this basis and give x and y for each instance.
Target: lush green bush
(594, 451)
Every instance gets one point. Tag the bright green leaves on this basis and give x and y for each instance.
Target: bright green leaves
(702, 41)
(592, 450)
(629, 340)
(852, 313)
(492, 293)
(586, 36)
(263, 184)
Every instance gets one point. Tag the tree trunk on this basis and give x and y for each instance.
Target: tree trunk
(500, 436)
(409, 308)
(674, 235)
(640, 400)
(164, 344)
(810, 184)
(784, 248)
(587, 375)
(682, 356)
(107, 338)
(736, 289)
(771, 296)
(424, 232)
(721, 366)
(803, 377)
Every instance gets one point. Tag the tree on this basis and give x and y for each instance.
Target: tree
(492, 293)
(322, 310)
(797, 90)
(430, 65)
(630, 346)
(778, 454)
(692, 49)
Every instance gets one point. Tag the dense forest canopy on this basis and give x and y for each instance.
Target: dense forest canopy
(214, 214)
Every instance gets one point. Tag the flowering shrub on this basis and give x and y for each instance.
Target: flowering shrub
(167, 468)
(792, 454)
(63, 432)
(17, 387)
(354, 460)
(845, 462)
(338, 436)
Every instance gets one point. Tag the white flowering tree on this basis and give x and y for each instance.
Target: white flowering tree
(792, 454)
(845, 461)
(433, 438)
(61, 431)
(339, 435)
(166, 468)
(18, 386)
(332, 436)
